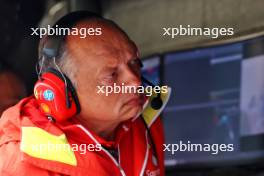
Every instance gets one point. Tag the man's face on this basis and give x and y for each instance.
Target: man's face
(102, 61)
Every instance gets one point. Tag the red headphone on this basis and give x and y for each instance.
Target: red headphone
(56, 99)
(54, 91)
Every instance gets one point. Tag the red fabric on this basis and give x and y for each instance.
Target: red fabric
(131, 140)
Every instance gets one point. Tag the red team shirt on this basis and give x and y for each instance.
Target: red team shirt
(131, 153)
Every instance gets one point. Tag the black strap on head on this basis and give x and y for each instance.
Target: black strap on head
(52, 45)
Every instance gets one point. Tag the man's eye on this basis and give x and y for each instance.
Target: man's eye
(112, 75)
(110, 78)
(136, 65)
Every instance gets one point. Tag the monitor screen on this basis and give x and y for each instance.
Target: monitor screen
(217, 100)
(252, 104)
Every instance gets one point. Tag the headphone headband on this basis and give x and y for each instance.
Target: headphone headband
(54, 90)
(53, 44)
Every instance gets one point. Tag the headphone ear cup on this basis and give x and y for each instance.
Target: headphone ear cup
(50, 94)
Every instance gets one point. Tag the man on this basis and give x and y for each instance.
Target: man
(11, 90)
(117, 141)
